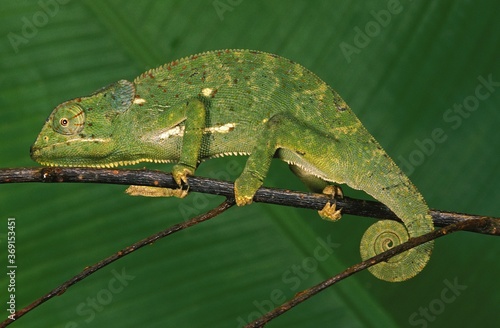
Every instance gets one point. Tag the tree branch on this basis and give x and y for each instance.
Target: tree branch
(205, 185)
(452, 221)
(412, 242)
(229, 202)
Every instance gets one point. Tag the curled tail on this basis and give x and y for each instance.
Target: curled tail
(384, 235)
(383, 180)
(396, 191)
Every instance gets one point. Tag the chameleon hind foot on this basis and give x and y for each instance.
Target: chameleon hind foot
(330, 212)
(148, 191)
(334, 191)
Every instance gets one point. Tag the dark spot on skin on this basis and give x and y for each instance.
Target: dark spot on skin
(340, 105)
(214, 92)
(301, 153)
(235, 81)
(193, 74)
(151, 76)
(177, 96)
(194, 57)
(276, 120)
(78, 99)
(390, 187)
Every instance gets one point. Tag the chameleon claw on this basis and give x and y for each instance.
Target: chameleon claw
(330, 212)
(334, 191)
(242, 201)
(180, 173)
(244, 189)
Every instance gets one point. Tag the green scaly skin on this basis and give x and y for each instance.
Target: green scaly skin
(241, 102)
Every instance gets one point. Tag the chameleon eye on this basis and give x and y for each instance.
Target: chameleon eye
(68, 119)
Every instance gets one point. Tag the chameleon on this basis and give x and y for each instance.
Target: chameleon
(242, 102)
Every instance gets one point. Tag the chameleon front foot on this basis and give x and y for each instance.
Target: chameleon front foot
(147, 191)
(330, 212)
(180, 172)
(245, 188)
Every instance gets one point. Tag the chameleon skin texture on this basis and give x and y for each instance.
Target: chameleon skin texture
(241, 102)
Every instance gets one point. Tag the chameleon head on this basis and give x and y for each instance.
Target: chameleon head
(80, 132)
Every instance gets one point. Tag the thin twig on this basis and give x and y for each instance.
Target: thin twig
(412, 242)
(205, 185)
(452, 221)
(146, 241)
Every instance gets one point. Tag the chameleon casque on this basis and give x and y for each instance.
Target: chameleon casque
(241, 102)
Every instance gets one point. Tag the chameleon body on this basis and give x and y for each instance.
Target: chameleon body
(241, 102)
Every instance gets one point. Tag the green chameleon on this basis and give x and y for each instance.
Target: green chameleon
(241, 102)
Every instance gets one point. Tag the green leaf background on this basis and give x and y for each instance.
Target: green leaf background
(404, 80)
